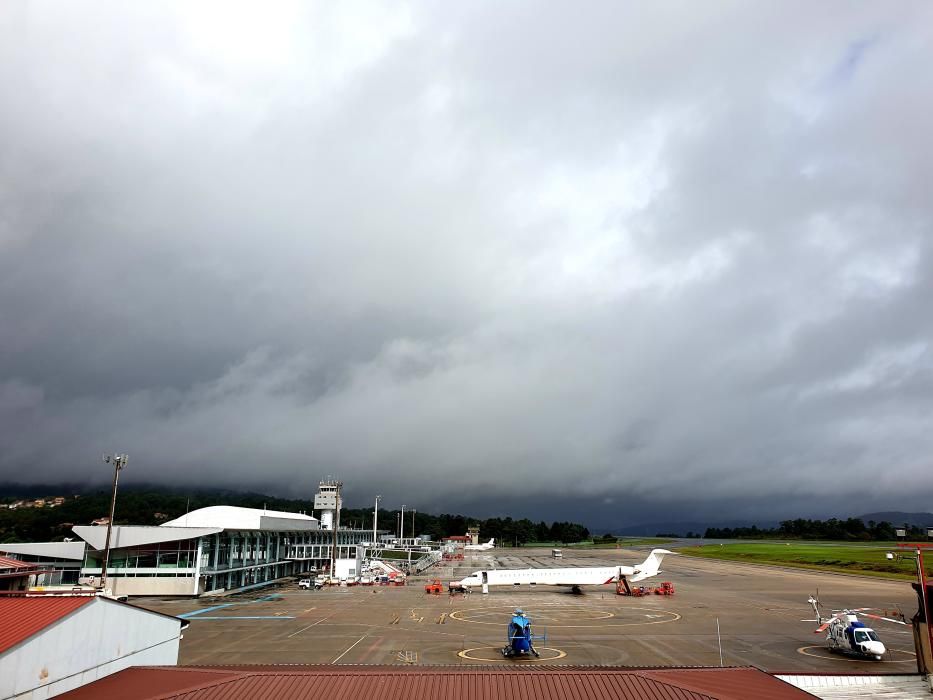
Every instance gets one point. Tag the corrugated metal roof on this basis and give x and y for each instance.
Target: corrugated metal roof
(449, 683)
(834, 687)
(16, 564)
(20, 618)
(717, 683)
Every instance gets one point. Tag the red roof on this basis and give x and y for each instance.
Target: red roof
(392, 682)
(20, 618)
(8, 563)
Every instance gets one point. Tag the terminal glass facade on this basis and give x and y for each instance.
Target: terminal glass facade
(228, 560)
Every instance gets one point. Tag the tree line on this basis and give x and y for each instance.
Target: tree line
(153, 507)
(506, 531)
(850, 529)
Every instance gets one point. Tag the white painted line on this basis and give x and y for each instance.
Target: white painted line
(351, 646)
(312, 625)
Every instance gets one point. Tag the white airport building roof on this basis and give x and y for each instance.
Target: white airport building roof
(47, 550)
(237, 518)
(138, 535)
(197, 523)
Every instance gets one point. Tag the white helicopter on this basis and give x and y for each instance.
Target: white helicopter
(846, 634)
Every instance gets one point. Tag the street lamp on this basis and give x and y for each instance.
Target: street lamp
(376, 518)
(401, 537)
(118, 461)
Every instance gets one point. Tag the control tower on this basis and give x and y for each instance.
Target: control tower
(328, 501)
(473, 534)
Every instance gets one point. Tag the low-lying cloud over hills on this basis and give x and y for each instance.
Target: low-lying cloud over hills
(597, 265)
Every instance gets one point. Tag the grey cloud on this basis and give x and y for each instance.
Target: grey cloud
(484, 255)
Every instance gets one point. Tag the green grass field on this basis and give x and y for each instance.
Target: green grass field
(866, 559)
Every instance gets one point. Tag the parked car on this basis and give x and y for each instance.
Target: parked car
(305, 583)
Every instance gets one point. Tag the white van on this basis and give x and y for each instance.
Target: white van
(557, 554)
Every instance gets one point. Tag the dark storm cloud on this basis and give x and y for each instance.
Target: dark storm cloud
(611, 262)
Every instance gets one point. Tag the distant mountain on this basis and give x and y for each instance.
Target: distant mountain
(896, 517)
(682, 528)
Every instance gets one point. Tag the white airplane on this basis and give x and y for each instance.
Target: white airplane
(482, 547)
(568, 576)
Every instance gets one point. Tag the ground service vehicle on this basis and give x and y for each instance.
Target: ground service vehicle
(305, 584)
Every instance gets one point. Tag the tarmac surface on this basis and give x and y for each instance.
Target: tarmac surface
(760, 612)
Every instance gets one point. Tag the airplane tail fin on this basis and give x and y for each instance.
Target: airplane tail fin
(651, 566)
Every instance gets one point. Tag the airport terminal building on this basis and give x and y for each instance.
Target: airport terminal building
(214, 549)
(210, 550)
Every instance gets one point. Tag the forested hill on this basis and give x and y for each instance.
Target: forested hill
(153, 507)
(852, 529)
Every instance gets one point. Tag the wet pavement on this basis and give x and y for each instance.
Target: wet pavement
(760, 612)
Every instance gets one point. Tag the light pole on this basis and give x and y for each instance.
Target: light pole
(401, 537)
(118, 461)
(413, 511)
(376, 518)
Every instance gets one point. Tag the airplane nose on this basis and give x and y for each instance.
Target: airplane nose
(874, 648)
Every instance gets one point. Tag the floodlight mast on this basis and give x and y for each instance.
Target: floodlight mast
(118, 461)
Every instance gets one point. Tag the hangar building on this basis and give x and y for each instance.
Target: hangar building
(53, 644)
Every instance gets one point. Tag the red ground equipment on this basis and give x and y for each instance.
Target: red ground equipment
(666, 588)
(623, 588)
(434, 587)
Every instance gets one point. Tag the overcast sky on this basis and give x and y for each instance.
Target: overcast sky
(608, 261)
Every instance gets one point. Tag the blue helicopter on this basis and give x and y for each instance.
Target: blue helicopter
(520, 640)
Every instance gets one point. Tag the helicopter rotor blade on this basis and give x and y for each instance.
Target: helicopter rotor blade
(886, 619)
(828, 622)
